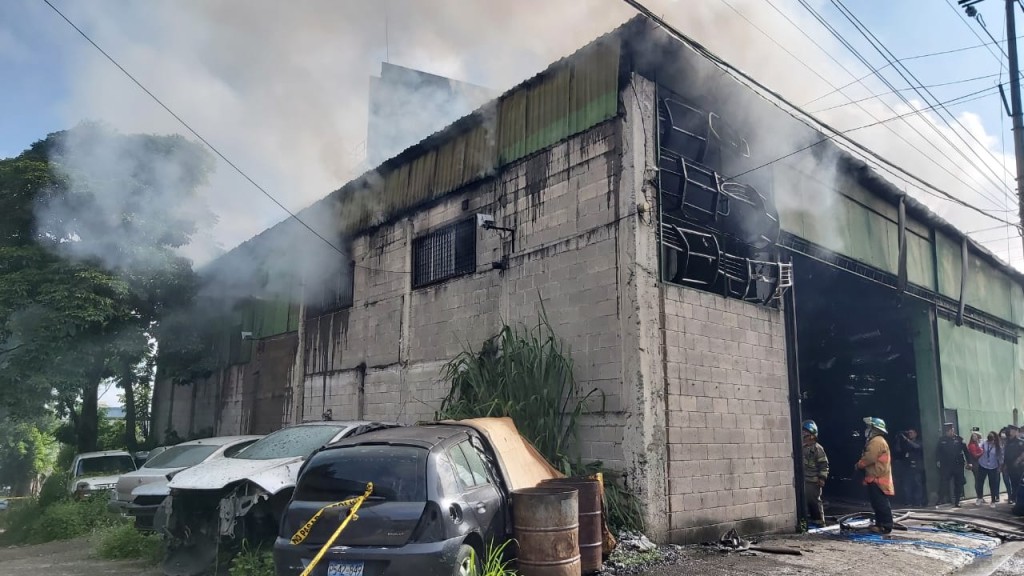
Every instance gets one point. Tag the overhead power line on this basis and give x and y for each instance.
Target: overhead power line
(941, 166)
(930, 141)
(914, 82)
(780, 102)
(879, 95)
(207, 142)
(903, 59)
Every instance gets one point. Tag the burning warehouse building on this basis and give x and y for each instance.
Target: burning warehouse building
(713, 283)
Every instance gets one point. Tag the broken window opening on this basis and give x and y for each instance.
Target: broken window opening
(717, 234)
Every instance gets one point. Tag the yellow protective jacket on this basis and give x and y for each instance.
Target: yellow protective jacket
(877, 465)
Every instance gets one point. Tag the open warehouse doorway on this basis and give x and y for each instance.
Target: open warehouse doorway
(864, 350)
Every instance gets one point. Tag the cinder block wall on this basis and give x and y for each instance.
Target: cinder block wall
(730, 450)
(382, 358)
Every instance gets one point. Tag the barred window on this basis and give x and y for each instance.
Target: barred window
(444, 253)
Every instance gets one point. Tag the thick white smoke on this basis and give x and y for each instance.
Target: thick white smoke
(282, 88)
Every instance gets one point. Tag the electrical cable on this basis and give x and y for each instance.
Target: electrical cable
(879, 95)
(963, 19)
(207, 142)
(839, 36)
(775, 99)
(903, 59)
(868, 65)
(954, 199)
(890, 57)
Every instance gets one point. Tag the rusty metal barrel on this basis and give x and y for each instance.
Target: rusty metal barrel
(590, 519)
(546, 522)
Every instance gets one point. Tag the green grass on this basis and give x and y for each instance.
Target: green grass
(494, 563)
(32, 522)
(252, 562)
(123, 542)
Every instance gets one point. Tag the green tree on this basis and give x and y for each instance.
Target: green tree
(28, 450)
(91, 221)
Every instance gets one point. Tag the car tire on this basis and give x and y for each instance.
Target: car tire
(467, 562)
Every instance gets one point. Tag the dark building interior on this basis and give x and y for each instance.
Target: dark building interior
(856, 358)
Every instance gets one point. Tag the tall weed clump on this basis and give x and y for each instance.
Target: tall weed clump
(526, 373)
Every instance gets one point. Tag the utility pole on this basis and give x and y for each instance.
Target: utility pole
(1016, 114)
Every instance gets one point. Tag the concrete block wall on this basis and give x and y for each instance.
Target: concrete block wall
(730, 452)
(396, 339)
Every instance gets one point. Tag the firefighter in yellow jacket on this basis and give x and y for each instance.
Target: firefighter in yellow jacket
(876, 462)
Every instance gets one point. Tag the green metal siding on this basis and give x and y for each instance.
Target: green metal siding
(980, 376)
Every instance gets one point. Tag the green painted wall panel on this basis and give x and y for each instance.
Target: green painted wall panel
(988, 289)
(980, 376)
(920, 263)
(948, 257)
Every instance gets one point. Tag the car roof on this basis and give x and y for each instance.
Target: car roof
(345, 423)
(426, 436)
(219, 440)
(103, 453)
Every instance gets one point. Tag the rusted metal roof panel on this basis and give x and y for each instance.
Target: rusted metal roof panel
(547, 111)
(512, 126)
(594, 94)
(449, 170)
(421, 178)
(481, 151)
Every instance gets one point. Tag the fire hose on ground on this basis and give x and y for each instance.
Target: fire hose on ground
(352, 504)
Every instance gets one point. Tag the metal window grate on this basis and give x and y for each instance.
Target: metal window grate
(444, 253)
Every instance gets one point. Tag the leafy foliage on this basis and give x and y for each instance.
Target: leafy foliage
(527, 375)
(89, 227)
(494, 562)
(28, 450)
(252, 562)
(29, 522)
(123, 542)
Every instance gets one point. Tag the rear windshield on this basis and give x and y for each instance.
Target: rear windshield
(290, 442)
(181, 456)
(398, 473)
(105, 466)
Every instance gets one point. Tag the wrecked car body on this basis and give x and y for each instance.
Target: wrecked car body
(216, 505)
(140, 493)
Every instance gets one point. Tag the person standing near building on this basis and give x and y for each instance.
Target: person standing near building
(952, 457)
(815, 471)
(1013, 454)
(974, 451)
(990, 462)
(912, 455)
(876, 462)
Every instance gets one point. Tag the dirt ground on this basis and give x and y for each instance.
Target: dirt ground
(70, 558)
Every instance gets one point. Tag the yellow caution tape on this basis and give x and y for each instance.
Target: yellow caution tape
(303, 533)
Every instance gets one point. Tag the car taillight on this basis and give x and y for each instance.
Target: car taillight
(431, 525)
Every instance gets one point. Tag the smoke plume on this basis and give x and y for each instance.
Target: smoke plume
(282, 89)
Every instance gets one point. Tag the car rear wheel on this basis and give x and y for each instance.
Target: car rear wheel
(467, 562)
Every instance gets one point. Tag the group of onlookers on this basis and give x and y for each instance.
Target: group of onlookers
(997, 458)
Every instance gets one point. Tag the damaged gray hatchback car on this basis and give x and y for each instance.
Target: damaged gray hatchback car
(438, 499)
